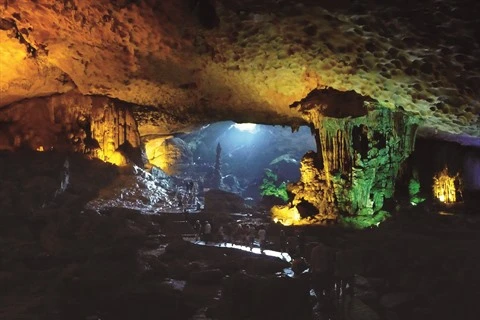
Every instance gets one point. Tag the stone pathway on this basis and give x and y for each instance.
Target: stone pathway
(282, 255)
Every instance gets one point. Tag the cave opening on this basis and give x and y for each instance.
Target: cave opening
(252, 161)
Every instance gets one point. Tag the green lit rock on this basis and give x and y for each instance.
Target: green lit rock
(358, 157)
(414, 190)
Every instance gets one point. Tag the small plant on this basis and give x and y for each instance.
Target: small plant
(271, 187)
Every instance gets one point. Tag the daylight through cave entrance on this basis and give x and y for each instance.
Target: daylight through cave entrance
(251, 163)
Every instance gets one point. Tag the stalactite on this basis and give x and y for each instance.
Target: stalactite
(110, 125)
(351, 184)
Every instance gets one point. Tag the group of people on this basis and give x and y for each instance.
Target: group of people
(330, 269)
(239, 234)
(187, 196)
(294, 245)
(203, 232)
(331, 272)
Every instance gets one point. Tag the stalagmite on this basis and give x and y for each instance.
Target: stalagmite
(444, 187)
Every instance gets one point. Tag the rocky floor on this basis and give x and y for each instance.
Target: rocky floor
(61, 261)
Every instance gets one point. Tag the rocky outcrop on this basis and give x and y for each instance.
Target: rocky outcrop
(168, 153)
(253, 297)
(223, 201)
(100, 127)
(359, 155)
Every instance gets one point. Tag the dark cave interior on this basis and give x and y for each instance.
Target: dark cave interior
(84, 239)
(239, 160)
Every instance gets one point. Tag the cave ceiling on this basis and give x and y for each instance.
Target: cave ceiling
(183, 63)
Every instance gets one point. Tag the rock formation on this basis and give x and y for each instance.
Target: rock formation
(242, 60)
(107, 77)
(167, 153)
(359, 155)
(93, 125)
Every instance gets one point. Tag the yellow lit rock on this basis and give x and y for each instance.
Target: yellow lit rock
(288, 215)
(250, 68)
(444, 187)
(156, 154)
(116, 158)
(167, 153)
(96, 126)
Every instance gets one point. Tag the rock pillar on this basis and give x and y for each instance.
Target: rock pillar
(360, 147)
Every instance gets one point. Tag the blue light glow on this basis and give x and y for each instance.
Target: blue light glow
(246, 127)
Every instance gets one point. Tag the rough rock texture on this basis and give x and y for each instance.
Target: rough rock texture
(135, 189)
(252, 297)
(168, 153)
(358, 159)
(188, 62)
(104, 73)
(223, 201)
(98, 126)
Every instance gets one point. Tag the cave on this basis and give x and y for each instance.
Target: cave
(147, 147)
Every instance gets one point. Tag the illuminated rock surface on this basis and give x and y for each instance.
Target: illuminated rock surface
(358, 159)
(100, 74)
(167, 153)
(186, 63)
(445, 187)
(94, 125)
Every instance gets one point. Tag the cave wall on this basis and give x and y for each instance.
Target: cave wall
(471, 175)
(247, 154)
(168, 153)
(96, 126)
(432, 156)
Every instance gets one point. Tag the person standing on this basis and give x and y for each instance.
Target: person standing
(292, 246)
(262, 237)
(221, 235)
(207, 231)
(321, 275)
(198, 230)
(251, 236)
(283, 241)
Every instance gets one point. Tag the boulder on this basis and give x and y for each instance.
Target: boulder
(254, 297)
(178, 247)
(263, 266)
(206, 277)
(223, 201)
